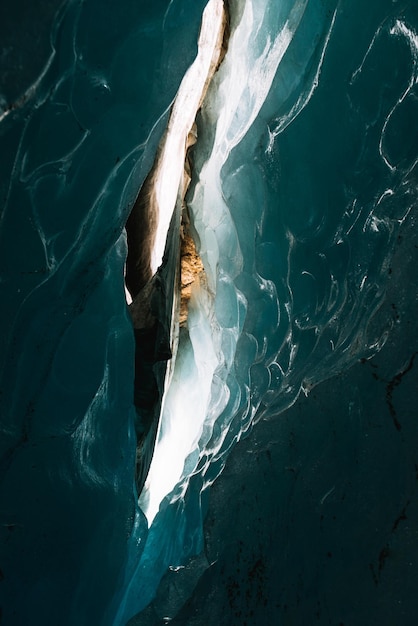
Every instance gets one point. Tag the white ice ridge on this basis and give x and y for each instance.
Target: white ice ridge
(184, 410)
(189, 96)
(252, 67)
(402, 30)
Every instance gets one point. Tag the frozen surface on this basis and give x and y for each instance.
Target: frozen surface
(314, 518)
(304, 172)
(76, 143)
(297, 209)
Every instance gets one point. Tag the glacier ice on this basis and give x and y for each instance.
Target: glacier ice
(303, 172)
(76, 146)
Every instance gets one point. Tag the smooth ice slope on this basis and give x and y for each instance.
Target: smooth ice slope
(76, 144)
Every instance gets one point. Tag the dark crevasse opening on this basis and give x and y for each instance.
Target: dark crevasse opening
(159, 285)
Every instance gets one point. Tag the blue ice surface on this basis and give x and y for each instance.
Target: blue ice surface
(76, 144)
(316, 191)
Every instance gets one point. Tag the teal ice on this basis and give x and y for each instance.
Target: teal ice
(296, 498)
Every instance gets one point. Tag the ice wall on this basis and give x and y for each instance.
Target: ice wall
(304, 169)
(297, 207)
(77, 140)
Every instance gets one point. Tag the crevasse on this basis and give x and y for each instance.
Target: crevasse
(256, 47)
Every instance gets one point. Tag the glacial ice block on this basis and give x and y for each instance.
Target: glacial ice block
(77, 141)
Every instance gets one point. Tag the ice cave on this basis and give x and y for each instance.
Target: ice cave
(209, 286)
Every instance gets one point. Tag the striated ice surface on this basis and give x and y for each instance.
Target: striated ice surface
(76, 143)
(297, 210)
(304, 170)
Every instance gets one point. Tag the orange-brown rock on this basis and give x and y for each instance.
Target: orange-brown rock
(192, 271)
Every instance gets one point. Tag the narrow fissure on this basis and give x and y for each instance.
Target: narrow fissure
(163, 264)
